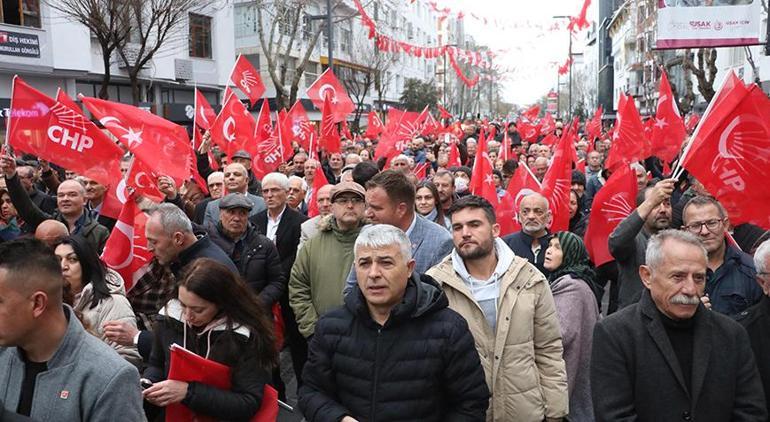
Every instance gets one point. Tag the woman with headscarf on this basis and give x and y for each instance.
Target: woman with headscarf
(572, 285)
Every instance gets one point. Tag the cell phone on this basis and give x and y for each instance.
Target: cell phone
(145, 383)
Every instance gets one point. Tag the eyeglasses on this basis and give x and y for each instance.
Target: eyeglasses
(763, 274)
(711, 225)
(355, 200)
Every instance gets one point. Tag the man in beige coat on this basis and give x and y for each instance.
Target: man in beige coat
(511, 314)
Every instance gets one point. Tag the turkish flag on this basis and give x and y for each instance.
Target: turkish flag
(547, 124)
(297, 126)
(55, 132)
(692, 121)
(614, 202)
(154, 140)
(445, 114)
(557, 183)
(319, 181)
(730, 153)
(330, 136)
(454, 155)
(531, 113)
(528, 131)
(482, 183)
(144, 181)
(247, 79)
(375, 125)
(668, 130)
(126, 248)
(204, 114)
(594, 126)
(628, 140)
(328, 85)
(522, 183)
(234, 126)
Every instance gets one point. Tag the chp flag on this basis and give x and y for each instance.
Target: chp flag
(247, 79)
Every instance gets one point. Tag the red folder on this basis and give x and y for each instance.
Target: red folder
(188, 367)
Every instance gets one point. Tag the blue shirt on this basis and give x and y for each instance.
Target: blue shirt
(732, 287)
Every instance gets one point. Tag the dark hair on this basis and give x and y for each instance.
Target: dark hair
(215, 283)
(364, 171)
(396, 185)
(578, 178)
(444, 173)
(92, 268)
(27, 257)
(702, 201)
(434, 192)
(510, 166)
(474, 201)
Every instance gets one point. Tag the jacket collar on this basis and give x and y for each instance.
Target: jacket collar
(72, 341)
(504, 260)
(173, 310)
(191, 253)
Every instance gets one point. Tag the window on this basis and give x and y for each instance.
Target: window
(311, 73)
(307, 27)
(245, 20)
(200, 36)
(345, 40)
(21, 12)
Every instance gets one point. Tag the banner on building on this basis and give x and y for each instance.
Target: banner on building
(708, 23)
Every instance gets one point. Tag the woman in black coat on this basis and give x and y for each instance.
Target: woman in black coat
(215, 316)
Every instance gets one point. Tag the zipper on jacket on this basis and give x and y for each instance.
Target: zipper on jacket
(376, 372)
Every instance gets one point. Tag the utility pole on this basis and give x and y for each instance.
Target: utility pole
(329, 31)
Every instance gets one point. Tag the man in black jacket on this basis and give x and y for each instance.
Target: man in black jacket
(667, 357)
(532, 240)
(394, 351)
(42, 200)
(756, 320)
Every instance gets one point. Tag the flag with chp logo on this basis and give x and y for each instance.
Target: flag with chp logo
(330, 135)
(126, 248)
(613, 203)
(54, 131)
(328, 85)
(247, 79)
(629, 142)
(730, 152)
(557, 183)
(297, 126)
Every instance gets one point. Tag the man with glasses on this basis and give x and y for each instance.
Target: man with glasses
(322, 265)
(532, 240)
(730, 287)
(756, 320)
(628, 241)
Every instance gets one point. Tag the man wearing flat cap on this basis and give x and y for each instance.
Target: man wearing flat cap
(323, 263)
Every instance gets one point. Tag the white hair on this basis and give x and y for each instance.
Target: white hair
(383, 235)
(638, 167)
(214, 175)
(279, 179)
(761, 255)
(653, 256)
(172, 219)
(302, 181)
(400, 157)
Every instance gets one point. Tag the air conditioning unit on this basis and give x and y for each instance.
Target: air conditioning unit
(183, 70)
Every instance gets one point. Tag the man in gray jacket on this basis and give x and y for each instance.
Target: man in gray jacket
(628, 241)
(50, 367)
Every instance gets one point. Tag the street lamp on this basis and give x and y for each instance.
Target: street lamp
(569, 110)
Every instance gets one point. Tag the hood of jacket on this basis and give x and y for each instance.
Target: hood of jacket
(422, 296)
(173, 311)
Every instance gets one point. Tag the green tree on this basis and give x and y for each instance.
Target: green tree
(418, 94)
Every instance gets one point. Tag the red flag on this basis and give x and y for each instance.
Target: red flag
(628, 140)
(522, 183)
(154, 140)
(401, 128)
(267, 146)
(65, 99)
(556, 185)
(580, 165)
(506, 147)
(297, 126)
(547, 124)
(614, 202)
(730, 153)
(692, 121)
(234, 127)
(375, 125)
(445, 114)
(576, 23)
(204, 114)
(330, 136)
(346, 130)
(668, 131)
(247, 79)
(53, 131)
(421, 170)
(144, 181)
(319, 181)
(227, 94)
(327, 84)
(126, 248)
(482, 183)
(549, 140)
(429, 125)
(528, 131)
(454, 155)
(531, 113)
(594, 126)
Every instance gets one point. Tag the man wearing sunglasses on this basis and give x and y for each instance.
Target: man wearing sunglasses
(730, 285)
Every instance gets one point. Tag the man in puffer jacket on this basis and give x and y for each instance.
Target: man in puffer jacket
(394, 351)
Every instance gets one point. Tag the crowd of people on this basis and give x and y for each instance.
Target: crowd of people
(396, 296)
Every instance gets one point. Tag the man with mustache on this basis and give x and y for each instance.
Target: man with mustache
(628, 241)
(532, 240)
(669, 358)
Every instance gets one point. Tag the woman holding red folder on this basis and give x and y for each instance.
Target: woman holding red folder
(215, 316)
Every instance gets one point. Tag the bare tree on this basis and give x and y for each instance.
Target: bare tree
(154, 24)
(108, 22)
(705, 70)
(287, 35)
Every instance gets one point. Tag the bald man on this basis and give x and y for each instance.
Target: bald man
(532, 240)
(71, 203)
(236, 179)
(50, 366)
(51, 232)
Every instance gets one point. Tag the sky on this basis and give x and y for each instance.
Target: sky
(533, 54)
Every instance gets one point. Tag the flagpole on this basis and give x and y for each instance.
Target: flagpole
(6, 145)
(678, 170)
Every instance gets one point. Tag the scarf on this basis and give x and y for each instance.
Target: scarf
(574, 261)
